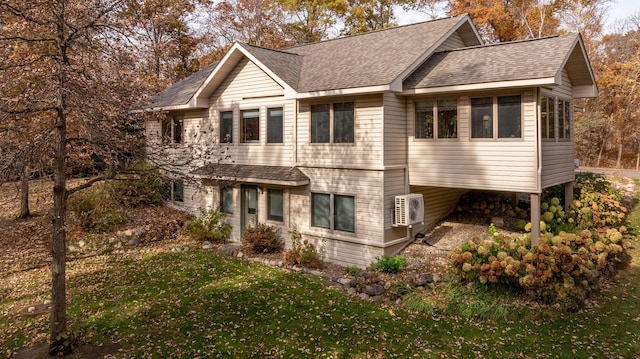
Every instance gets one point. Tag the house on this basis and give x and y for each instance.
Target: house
(350, 139)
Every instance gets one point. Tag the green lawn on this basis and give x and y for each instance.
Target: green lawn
(198, 304)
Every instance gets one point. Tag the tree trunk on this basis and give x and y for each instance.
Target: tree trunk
(24, 192)
(638, 157)
(59, 342)
(620, 147)
(604, 142)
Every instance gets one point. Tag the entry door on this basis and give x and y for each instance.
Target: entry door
(249, 206)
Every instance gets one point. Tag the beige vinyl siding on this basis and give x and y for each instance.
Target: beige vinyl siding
(195, 127)
(364, 153)
(395, 130)
(195, 199)
(247, 87)
(439, 202)
(153, 132)
(489, 164)
(453, 42)
(558, 154)
(394, 185)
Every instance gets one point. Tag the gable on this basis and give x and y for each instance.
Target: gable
(246, 80)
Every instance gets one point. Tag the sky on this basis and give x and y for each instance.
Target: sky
(618, 10)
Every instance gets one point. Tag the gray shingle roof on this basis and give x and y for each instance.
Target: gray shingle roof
(276, 175)
(370, 59)
(181, 92)
(522, 60)
(285, 65)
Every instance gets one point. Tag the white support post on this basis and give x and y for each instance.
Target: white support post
(535, 219)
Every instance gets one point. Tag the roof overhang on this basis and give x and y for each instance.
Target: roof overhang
(579, 70)
(551, 81)
(265, 175)
(341, 92)
(164, 108)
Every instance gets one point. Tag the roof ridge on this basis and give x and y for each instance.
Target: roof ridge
(507, 43)
(268, 48)
(373, 32)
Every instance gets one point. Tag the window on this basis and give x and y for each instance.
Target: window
(320, 123)
(509, 117)
(226, 199)
(321, 210)
(274, 125)
(555, 117)
(172, 129)
(276, 204)
(177, 191)
(446, 113)
(344, 213)
(341, 115)
(342, 207)
(482, 117)
(544, 117)
(506, 109)
(343, 122)
(226, 127)
(250, 126)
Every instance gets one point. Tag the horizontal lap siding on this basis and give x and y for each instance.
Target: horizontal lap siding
(395, 130)
(344, 247)
(394, 185)
(247, 87)
(508, 165)
(558, 155)
(438, 203)
(453, 42)
(366, 152)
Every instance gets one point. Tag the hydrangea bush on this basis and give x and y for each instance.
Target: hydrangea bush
(577, 250)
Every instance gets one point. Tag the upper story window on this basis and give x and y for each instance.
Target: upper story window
(436, 118)
(250, 126)
(332, 124)
(226, 127)
(172, 129)
(274, 125)
(501, 115)
(555, 117)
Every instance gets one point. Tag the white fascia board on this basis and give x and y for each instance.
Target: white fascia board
(164, 108)
(483, 86)
(347, 91)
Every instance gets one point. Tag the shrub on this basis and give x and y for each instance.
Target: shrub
(262, 238)
(564, 266)
(301, 252)
(96, 209)
(387, 264)
(140, 190)
(352, 270)
(210, 226)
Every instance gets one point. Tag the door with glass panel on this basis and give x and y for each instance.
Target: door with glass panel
(249, 204)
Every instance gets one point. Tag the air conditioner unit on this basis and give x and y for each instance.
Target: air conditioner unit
(409, 209)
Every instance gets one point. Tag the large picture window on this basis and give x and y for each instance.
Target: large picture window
(226, 199)
(226, 127)
(274, 125)
(332, 123)
(250, 126)
(501, 114)
(342, 207)
(436, 119)
(275, 202)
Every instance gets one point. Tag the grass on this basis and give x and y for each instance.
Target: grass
(197, 304)
(157, 304)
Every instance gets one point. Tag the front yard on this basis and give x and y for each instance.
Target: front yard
(150, 301)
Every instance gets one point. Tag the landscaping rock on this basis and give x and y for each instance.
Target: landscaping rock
(351, 291)
(133, 241)
(82, 243)
(229, 250)
(344, 281)
(364, 296)
(206, 245)
(424, 279)
(374, 289)
(240, 255)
